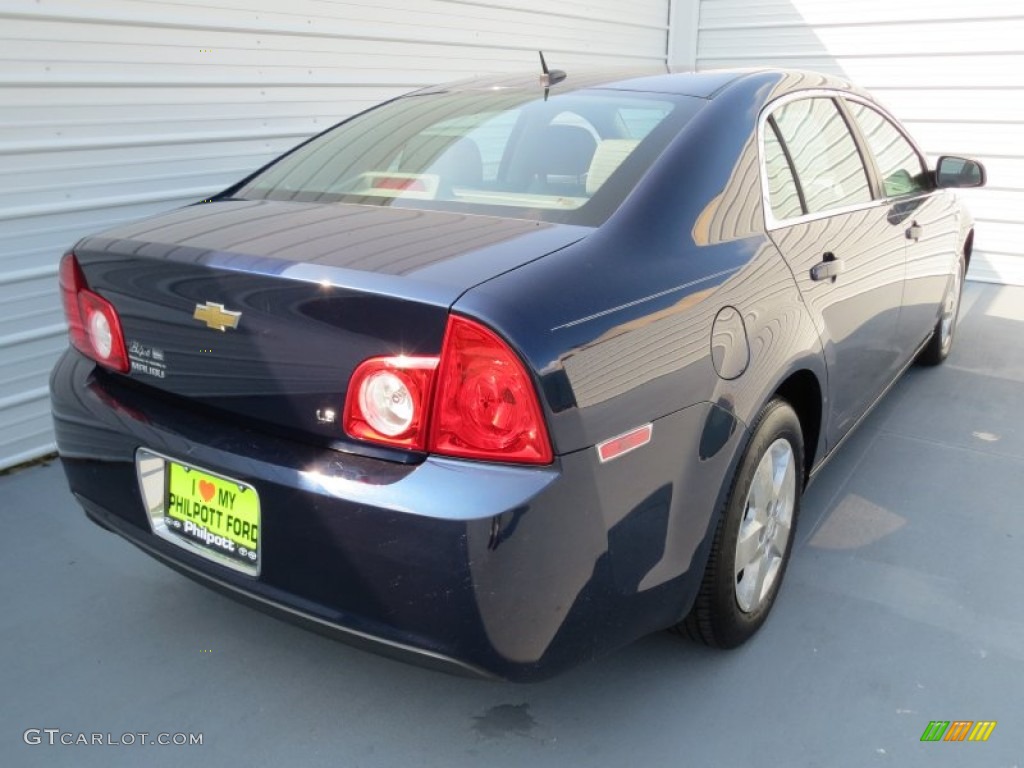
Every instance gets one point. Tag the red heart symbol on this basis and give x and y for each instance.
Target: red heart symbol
(206, 490)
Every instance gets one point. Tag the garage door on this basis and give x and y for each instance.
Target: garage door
(110, 111)
(952, 71)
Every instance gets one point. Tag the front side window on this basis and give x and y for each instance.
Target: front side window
(572, 157)
(825, 157)
(901, 168)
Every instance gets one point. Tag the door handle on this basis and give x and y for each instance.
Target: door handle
(914, 231)
(829, 268)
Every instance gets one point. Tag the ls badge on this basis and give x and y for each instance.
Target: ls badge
(216, 317)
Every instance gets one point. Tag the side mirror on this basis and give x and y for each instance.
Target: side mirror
(953, 171)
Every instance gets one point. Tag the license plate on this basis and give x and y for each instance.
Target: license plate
(219, 515)
(211, 515)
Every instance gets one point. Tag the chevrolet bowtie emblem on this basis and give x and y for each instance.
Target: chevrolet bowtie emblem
(216, 317)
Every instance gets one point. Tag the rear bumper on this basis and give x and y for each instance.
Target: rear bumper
(282, 610)
(497, 571)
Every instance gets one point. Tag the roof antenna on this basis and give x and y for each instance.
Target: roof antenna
(550, 76)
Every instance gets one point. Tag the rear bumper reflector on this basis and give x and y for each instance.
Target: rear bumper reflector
(624, 443)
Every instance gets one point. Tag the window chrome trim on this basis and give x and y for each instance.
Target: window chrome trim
(771, 222)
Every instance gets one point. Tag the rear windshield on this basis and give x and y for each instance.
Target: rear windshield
(569, 158)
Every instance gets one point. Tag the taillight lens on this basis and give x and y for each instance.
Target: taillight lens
(485, 405)
(475, 401)
(388, 400)
(93, 325)
(72, 282)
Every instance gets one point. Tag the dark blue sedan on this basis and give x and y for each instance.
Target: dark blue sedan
(501, 376)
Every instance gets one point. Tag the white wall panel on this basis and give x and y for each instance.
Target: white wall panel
(952, 71)
(115, 109)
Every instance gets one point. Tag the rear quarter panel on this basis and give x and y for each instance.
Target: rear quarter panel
(618, 327)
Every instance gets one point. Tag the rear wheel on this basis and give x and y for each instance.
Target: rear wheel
(941, 343)
(754, 538)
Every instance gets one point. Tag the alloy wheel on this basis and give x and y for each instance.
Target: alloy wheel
(766, 526)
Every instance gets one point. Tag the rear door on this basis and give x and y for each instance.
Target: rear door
(848, 257)
(927, 216)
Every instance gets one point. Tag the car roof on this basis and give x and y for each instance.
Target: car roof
(704, 85)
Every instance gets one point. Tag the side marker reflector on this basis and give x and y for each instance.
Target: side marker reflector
(624, 443)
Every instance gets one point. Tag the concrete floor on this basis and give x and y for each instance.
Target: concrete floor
(904, 604)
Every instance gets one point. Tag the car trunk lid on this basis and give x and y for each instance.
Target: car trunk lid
(262, 310)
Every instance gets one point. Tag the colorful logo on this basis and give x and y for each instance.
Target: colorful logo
(216, 316)
(958, 730)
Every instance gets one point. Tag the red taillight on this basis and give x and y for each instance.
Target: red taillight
(93, 325)
(482, 405)
(485, 405)
(72, 282)
(388, 400)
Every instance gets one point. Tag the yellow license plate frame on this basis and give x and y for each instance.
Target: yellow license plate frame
(217, 516)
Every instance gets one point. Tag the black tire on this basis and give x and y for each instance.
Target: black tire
(940, 345)
(717, 618)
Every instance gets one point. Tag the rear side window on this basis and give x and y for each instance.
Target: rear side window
(901, 168)
(824, 154)
(782, 189)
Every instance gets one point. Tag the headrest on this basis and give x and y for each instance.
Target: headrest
(564, 150)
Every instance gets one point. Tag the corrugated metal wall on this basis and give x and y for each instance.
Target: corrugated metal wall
(114, 109)
(953, 71)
